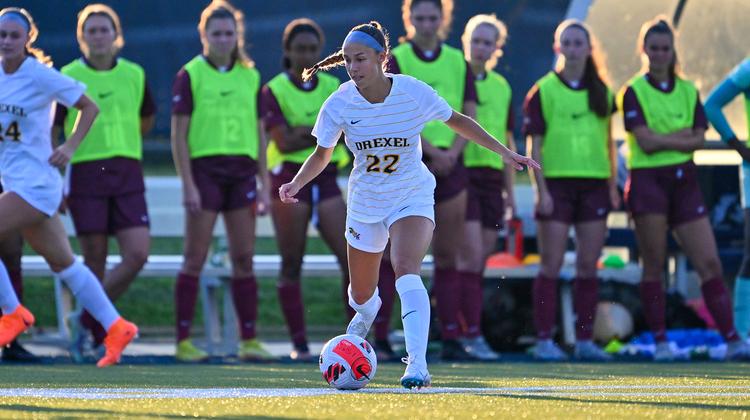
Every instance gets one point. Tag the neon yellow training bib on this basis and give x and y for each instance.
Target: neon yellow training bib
(447, 75)
(118, 92)
(493, 108)
(225, 114)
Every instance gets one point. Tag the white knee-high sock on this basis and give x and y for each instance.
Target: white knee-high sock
(369, 310)
(415, 315)
(8, 299)
(87, 289)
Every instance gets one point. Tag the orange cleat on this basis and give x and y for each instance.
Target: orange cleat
(14, 323)
(120, 334)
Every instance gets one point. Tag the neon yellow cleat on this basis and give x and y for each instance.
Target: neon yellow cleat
(187, 352)
(252, 350)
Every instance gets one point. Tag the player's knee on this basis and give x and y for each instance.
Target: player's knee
(404, 265)
(242, 262)
(291, 270)
(135, 259)
(710, 268)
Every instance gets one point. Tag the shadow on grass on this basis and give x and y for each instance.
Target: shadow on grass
(74, 412)
(656, 404)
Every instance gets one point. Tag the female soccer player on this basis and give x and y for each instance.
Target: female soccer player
(422, 54)
(736, 82)
(665, 124)
(290, 107)
(490, 181)
(105, 191)
(217, 141)
(568, 115)
(32, 184)
(391, 192)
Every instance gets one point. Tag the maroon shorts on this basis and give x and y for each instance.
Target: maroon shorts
(670, 190)
(451, 185)
(225, 183)
(486, 202)
(105, 196)
(324, 186)
(577, 200)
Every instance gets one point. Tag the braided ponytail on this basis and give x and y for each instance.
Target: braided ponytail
(334, 60)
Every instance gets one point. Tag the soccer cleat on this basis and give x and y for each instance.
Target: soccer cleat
(416, 374)
(187, 352)
(15, 352)
(253, 350)
(120, 334)
(478, 348)
(663, 352)
(588, 351)
(548, 351)
(359, 325)
(738, 350)
(453, 351)
(14, 323)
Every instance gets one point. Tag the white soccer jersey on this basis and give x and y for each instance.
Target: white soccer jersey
(388, 172)
(27, 99)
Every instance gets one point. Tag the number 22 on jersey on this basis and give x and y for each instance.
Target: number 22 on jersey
(388, 163)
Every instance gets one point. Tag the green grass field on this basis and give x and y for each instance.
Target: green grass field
(517, 390)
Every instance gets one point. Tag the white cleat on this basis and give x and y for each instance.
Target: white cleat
(588, 351)
(478, 348)
(548, 351)
(664, 353)
(416, 374)
(359, 325)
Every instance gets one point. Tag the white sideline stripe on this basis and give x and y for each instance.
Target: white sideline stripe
(202, 393)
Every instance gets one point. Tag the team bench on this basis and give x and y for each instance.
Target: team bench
(163, 197)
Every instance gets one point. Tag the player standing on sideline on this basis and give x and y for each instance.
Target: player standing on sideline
(105, 191)
(490, 187)
(391, 192)
(32, 183)
(567, 118)
(219, 147)
(737, 82)
(665, 124)
(422, 54)
(290, 107)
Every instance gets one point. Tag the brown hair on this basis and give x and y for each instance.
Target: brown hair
(99, 9)
(446, 9)
(33, 35)
(374, 29)
(595, 72)
(222, 9)
(658, 25)
(493, 22)
(296, 27)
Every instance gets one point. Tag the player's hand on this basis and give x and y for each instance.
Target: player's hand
(518, 162)
(545, 206)
(191, 198)
(61, 156)
(288, 191)
(264, 202)
(614, 197)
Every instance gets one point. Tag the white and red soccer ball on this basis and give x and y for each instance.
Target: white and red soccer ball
(348, 362)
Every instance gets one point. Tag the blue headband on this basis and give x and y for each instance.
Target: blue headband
(363, 38)
(18, 18)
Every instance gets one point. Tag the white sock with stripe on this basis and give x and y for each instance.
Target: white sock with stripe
(87, 289)
(415, 315)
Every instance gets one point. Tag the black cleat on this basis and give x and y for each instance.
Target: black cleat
(15, 352)
(453, 351)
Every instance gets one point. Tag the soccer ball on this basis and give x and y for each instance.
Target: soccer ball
(348, 362)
